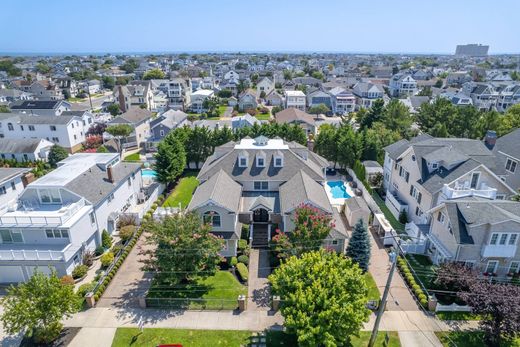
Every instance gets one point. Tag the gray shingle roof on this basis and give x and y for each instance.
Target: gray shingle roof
(302, 188)
(221, 189)
(19, 145)
(8, 173)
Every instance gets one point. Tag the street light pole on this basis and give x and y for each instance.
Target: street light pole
(382, 305)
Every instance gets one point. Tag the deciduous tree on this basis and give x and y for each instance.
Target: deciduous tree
(57, 154)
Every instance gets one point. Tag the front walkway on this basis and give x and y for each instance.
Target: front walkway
(258, 293)
(399, 297)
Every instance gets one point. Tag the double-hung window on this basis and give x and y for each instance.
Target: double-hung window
(49, 196)
(261, 185)
(511, 165)
(11, 236)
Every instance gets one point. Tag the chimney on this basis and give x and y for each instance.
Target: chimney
(490, 139)
(121, 100)
(27, 178)
(110, 174)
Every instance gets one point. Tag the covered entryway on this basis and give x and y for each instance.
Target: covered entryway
(260, 215)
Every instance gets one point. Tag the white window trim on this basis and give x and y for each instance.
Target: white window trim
(511, 161)
(50, 202)
(258, 158)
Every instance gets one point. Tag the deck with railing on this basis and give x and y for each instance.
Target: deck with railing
(40, 215)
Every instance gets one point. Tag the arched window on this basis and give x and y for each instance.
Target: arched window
(212, 217)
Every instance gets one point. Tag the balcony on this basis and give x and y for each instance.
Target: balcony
(26, 214)
(395, 205)
(463, 190)
(20, 252)
(498, 251)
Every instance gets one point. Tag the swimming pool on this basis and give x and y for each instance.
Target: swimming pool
(338, 190)
(148, 173)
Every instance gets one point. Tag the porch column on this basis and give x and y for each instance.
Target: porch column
(268, 233)
(251, 233)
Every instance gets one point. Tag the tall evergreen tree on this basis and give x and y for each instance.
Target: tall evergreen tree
(170, 159)
(358, 248)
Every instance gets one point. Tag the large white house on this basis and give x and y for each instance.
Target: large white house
(295, 99)
(62, 214)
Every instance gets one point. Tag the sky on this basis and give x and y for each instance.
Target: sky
(353, 26)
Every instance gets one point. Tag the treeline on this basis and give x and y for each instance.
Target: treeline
(194, 145)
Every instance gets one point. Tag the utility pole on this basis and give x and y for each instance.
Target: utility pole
(89, 98)
(382, 305)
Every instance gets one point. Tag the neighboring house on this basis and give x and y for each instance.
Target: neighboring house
(274, 99)
(261, 182)
(65, 131)
(25, 149)
(458, 78)
(265, 85)
(44, 90)
(137, 94)
(366, 93)
(295, 99)
(414, 102)
(402, 85)
(295, 116)
(342, 101)
(166, 122)
(244, 121)
(421, 173)
(372, 169)
(422, 75)
(11, 184)
(457, 99)
(86, 117)
(319, 97)
(14, 95)
(60, 216)
(231, 75)
(198, 98)
(507, 152)
(247, 100)
(139, 119)
(67, 84)
(483, 95)
(93, 86)
(508, 95)
(42, 108)
(178, 92)
(479, 233)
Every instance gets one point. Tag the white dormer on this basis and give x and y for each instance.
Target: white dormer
(243, 159)
(260, 159)
(278, 159)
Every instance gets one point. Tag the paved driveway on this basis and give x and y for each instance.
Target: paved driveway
(130, 282)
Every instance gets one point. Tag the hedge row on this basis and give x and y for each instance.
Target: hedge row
(410, 280)
(243, 272)
(103, 283)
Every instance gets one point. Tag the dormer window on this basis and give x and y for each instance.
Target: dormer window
(243, 159)
(260, 159)
(278, 159)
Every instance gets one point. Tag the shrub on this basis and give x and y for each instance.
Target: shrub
(416, 289)
(422, 297)
(424, 302)
(107, 259)
(154, 206)
(242, 244)
(106, 239)
(79, 271)
(99, 250)
(88, 258)
(117, 248)
(126, 232)
(244, 234)
(67, 280)
(84, 289)
(403, 217)
(125, 220)
(243, 259)
(243, 272)
(233, 261)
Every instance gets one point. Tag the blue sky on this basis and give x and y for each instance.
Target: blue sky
(400, 26)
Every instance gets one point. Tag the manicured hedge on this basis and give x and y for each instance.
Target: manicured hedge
(243, 259)
(243, 272)
(412, 283)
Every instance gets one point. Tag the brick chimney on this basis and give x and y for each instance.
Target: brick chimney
(110, 174)
(490, 139)
(27, 178)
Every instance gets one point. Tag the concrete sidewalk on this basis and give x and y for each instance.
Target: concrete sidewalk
(258, 291)
(419, 338)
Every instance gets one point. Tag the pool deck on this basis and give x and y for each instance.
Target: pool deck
(337, 201)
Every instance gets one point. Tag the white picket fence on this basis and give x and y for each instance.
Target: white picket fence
(452, 308)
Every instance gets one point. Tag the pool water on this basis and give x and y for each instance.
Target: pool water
(338, 190)
(148, 173)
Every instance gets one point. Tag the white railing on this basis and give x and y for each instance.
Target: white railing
(454, 193)
(34, 254)
(395, 206)
(25, 218)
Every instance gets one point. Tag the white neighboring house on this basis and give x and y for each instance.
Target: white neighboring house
(231, 75)
(65, 131)
(402, 85)
(265, 85)
(62, 214)
(198, 98)
(367, 93)
(11, 183)
(25, 149)
(342, 101)
(42, 108)
(295, 99)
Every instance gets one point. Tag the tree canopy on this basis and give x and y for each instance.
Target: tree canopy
(323, 296)
(170, 159)
(57, 154)
(154, 74)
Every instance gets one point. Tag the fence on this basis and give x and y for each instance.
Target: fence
(452, 308)
(191, 303)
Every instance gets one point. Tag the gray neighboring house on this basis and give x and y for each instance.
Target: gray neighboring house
(166, 122)
(477, 232)
(244, 121)
(260, 182)
(25, 149)
(507, 151)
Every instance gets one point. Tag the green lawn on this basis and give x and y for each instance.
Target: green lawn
(183, 192)
(151, 337)
(188, 338)
(457, 316)
(222, 109)
(216, 292)
(133, 157)
(423, 267)
(74, 99)
(373, 292)
(266, 116)
(398, 227)
(468, 339)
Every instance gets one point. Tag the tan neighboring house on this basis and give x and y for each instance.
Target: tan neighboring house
(139, 120)
(296, 116)
(136, 95)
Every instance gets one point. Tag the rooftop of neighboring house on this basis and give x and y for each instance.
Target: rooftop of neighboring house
(291, 114)
(22, 118)
(38, 105)
(203, 92)
(170, 119)
(21, 145)
(294, 93)
(9, 173)
(134, 115)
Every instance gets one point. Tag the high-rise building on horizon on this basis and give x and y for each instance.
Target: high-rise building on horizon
(472, 50)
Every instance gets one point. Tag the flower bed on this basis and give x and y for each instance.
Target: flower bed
(417, 290)
(121, 255)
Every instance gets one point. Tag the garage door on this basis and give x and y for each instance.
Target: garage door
(11, 274)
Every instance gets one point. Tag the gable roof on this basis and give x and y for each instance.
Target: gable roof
(219, 189)
(292, 114)
(134, 115)
(301, 189)
(21, 145)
